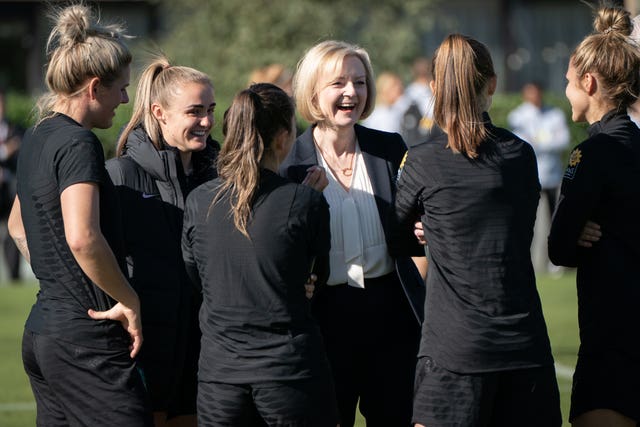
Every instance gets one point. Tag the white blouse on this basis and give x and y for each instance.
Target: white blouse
(358, 245)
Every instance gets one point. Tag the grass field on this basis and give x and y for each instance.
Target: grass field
(16, 401)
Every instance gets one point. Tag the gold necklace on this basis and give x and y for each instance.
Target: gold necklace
(348, 171)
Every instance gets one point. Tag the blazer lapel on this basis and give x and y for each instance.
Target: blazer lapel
(378, 170)
(301, 157)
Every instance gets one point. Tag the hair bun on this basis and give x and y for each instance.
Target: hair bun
(73, 24)
(613, 20)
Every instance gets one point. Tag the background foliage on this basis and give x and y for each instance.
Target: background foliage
(228, 40)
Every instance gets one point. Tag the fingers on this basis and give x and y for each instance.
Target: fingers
(316, 178)
(590, 234)
(130, 322)
(418, 231)
(100, 315)
(136, 345)
(308, 290)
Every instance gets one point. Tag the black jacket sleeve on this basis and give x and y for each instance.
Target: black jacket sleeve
(187, 242)
(407, 209)
(581, 191)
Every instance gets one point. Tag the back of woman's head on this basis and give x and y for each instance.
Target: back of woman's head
(159, 83)
(612, 55)
(80, 48)
(462, 72)
(327, 56)
(257, 115)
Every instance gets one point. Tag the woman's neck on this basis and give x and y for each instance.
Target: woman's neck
(337, 140)
(270, 163)
(597, 111)
(187, 164)
(75, 110)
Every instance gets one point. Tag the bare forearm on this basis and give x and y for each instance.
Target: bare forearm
(98, 262)
(16, 229)
(21, 244)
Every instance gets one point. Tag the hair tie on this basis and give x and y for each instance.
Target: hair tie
(607, 30)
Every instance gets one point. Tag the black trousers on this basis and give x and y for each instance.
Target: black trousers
(372, 341)
(77, 386)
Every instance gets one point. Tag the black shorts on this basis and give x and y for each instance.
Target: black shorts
(606, 381)
(81, 386)
(522, 397)
(309, 403)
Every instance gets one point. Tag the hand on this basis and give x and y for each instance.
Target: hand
(590, 234)
(418, 231)
(130, 321)
(310, 286)
(316, 178)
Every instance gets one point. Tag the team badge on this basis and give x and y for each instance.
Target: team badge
(574, 161)
(404, 159)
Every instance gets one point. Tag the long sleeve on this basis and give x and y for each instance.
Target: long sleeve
(581, 191)
(187, 244)
(406, 210)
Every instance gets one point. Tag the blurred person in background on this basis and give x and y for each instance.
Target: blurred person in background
(276, 74)
(545, 128)
(10, 139)
(395, 111)
(164, 152)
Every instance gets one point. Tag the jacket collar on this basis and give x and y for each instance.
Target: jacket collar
(160, 164)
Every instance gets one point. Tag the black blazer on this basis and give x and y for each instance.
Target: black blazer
(382, 153)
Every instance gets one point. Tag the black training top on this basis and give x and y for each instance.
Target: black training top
(602, 184)
(255, 319)
(56, 154)
(482, 310)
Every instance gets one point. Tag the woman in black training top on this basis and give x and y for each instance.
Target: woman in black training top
(595, 226)
(65, 222)
(250, 239)
(485, 358)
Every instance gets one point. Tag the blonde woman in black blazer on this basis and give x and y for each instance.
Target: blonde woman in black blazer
(370, 331)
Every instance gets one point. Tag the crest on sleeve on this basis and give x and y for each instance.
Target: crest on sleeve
(404, 159)
(574, 161)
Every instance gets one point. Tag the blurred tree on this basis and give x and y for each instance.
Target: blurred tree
(228, 39)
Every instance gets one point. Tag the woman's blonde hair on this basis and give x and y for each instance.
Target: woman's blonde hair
(462, 69)
(613, 55)
(252, 122)
(159, 83)
(80, 48)
(327, 56)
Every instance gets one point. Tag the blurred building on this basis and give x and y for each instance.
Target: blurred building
(24, 27)
(530, 40)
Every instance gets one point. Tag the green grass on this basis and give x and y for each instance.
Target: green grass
(16, 401)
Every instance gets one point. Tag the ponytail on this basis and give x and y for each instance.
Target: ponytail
(251, 124)
(462, 69)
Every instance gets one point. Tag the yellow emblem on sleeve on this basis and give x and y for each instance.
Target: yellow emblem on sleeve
(576, 156)
(404, 159)
(574, 161)
(399, 173)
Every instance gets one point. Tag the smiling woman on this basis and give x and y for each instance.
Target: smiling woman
(334, 89)
(164, 152)
(77, 358)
